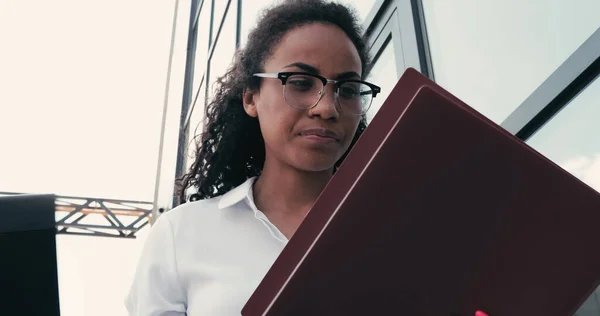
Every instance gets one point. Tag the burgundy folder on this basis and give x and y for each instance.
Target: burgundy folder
(439, 211)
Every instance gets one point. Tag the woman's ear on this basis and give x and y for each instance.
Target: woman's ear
(249, 99)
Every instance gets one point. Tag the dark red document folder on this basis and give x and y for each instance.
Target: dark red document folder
(438, 211)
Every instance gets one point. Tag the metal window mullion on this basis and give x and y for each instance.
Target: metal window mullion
(373, 18)
(380, 27)
(197, 14)
(187, 93)
(238, 28)
(214, 44)
(422, 38)
(570, 78)
(401, 19)
(193, 105)
(408, 34)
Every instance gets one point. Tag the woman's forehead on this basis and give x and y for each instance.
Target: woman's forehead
(323, 46)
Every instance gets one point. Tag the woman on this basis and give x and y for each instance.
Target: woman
(282, 119)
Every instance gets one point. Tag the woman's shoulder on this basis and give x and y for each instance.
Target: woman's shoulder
(188, 221)
(193, 211)
(206, 213)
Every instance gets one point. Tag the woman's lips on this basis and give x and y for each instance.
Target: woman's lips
(320, 135)
(319, 139)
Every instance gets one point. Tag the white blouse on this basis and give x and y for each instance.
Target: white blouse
(205, 257)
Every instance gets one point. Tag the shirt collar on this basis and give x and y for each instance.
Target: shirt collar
(237, 194)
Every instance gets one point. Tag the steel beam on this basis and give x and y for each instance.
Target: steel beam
(113, 218)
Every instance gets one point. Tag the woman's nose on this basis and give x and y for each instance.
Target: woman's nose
(327, 107)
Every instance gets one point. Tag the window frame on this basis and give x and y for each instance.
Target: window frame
(556, 92)
(402, 22)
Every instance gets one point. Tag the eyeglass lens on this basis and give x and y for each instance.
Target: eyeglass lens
(303, 92)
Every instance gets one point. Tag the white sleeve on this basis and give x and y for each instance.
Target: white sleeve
(156, 288)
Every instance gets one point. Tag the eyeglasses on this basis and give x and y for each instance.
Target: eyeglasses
(303, 91)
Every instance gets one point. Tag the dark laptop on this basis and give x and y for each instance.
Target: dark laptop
(28, 268)
(437, 211)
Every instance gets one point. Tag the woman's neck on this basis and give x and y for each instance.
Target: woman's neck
(288, 191)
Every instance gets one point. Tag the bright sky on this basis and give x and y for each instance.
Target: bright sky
(82, 87)
(81, 95)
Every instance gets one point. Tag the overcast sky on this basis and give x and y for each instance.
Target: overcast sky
(82, 87)
(81, 95)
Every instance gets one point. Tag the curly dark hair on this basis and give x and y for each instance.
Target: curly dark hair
(232, 149)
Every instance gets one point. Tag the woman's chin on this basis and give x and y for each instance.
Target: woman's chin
(316, 165)
(318, 169)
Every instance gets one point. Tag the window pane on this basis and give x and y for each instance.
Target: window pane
(493, 54)
(571, 139)
(173, 115)
(251, 10)
(220, 6)
(590, 307)
(225, 49)
(384, 75)
(195, 127)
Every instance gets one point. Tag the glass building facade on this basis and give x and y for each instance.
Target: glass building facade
(531, 68)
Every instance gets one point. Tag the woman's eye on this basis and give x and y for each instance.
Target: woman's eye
(348, 92)
(301, 84)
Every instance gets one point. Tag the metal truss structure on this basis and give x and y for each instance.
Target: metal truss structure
(100, 217)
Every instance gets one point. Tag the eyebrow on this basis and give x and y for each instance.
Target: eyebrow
(311, 69)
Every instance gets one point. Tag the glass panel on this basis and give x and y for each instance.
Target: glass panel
(571, 138)
(202, 44)
(251, 10)
(225, 49)
(195, 127)
(220, 6)
(384, 75)
(494, 54)
(591, 306)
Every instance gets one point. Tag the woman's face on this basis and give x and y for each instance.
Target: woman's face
(313, 139)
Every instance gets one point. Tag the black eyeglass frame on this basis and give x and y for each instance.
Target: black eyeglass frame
(284, 76)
